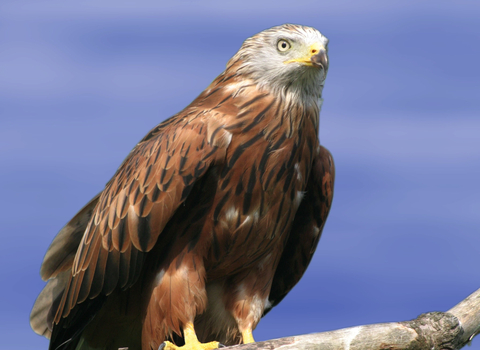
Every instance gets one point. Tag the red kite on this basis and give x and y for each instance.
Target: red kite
(211, 219)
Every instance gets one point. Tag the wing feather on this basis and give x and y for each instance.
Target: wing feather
(136, 204)
(62, 250)
(306, 229)
(125, 261)
(56, 267)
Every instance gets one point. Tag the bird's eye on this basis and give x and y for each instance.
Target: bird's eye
(283, 45)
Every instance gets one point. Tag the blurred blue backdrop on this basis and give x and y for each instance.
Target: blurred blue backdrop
(80, 84)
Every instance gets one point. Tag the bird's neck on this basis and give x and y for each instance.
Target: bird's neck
(292, 108)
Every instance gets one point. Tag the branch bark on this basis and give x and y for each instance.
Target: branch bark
(449, 330)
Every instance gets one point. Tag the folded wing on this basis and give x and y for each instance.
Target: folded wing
(307, 228)
(104, 246)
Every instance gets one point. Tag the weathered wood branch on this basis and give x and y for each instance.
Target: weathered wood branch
(449, 330)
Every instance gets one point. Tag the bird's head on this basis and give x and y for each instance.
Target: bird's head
(285, 59)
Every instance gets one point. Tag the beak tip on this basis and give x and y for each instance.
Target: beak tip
(320, 60)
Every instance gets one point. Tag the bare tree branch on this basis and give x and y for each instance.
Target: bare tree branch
(449, 330)
(468, 314)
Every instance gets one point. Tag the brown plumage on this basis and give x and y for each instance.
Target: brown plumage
(212, 218)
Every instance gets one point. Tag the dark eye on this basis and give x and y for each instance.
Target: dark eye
(283, 45)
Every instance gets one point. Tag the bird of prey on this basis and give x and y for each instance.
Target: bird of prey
(211, 219)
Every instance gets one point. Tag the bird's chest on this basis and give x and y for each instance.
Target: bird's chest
(258, 194)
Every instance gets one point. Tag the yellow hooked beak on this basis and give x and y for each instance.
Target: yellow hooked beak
(316, 57)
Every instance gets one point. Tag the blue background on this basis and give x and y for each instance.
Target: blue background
(81, 84)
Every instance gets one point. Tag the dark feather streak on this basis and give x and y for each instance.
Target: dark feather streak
(240, 149)
(219, 206)
(144, 232)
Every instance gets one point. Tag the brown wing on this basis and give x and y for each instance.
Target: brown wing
(307, 227)
(57, 265)
(62, 250)
(136, 205)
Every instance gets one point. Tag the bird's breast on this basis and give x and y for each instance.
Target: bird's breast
(259, 189)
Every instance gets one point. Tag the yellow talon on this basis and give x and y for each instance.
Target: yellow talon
(247, 336)
(191, 341)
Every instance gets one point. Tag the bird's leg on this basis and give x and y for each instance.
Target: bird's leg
(191, 341)
(246, 295)
(247, 336)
